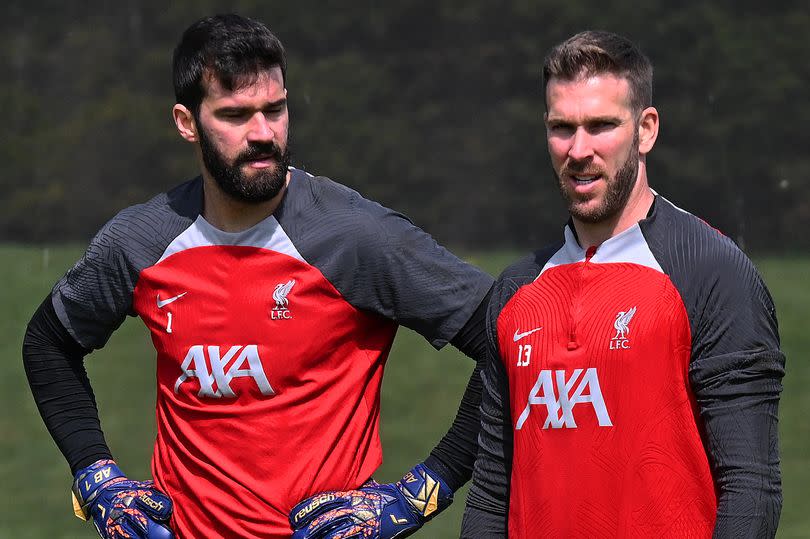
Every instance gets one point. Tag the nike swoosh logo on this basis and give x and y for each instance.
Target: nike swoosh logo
(519, 336)
(163, 303)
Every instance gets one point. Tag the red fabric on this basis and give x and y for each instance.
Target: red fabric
(250, 457)
(643, 472)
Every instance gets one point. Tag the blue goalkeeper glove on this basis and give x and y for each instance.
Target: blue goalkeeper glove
(120, 508)
(373, 511)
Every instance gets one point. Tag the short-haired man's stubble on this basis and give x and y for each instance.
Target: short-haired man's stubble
(618, 188)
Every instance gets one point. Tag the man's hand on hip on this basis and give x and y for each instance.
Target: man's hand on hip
(120, 508)
(373, 511)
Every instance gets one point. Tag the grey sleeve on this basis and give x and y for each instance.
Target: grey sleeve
(736, 374)
(416, 281)
(379, 260)
(94, 297)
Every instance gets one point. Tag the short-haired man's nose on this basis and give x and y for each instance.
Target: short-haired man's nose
(581, 147)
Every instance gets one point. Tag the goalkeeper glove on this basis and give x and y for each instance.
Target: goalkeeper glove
(373, 511)
(120, 508)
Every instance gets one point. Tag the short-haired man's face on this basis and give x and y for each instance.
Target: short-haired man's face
(593, 140)
(243, 137)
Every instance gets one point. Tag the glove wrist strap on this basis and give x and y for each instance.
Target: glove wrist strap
(88, 483)
(426, 492)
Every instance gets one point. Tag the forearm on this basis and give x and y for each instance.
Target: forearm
(54, 365)
(488, 500)
(454, 456)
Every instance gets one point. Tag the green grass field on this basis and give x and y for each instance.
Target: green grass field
(35, 499)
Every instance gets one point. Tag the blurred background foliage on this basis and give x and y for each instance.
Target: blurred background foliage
(433, 108)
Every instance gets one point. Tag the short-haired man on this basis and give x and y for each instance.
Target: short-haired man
(634, 370)
(272, 298)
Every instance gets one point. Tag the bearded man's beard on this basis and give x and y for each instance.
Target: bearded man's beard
(259, 187)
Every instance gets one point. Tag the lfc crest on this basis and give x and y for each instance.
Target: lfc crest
(622, 327)
(282, 311)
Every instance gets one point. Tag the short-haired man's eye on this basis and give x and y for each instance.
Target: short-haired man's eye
(560, 129)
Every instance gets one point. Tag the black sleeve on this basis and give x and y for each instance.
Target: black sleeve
(487, 507)
(454, 455)
(739, 408)
(735, 370)
(736, 374)
(54, 364)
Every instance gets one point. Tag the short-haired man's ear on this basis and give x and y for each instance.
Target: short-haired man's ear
(647, 130)
(184, 120)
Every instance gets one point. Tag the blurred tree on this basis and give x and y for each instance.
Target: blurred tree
(432, 108)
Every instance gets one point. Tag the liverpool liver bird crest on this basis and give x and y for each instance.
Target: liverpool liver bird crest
(280, 294)
(622, 323)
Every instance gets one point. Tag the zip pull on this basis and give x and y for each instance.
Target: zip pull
(572, 341)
